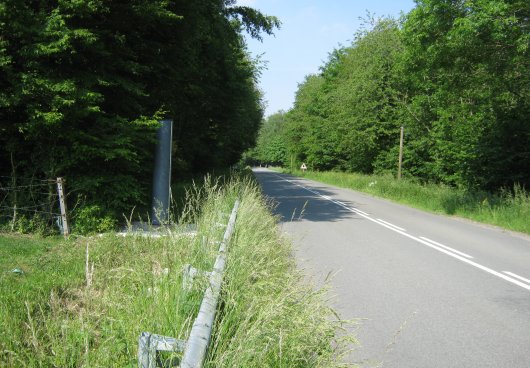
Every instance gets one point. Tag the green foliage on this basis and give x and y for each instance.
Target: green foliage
(252, 20)
(31, 224)
(83, 84)
(467, 81)
(332, 123)
(270, 148)
(92, 219)
(455, 74)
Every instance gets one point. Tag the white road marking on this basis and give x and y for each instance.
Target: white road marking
(364, 213)
(389, 224)
(516, 276)
(446, 247)
(449, 253)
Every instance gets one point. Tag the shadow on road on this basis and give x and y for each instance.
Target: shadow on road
(293, 203)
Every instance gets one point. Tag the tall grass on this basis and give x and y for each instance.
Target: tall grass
(56, 315)
(509, 208)
(269, 318)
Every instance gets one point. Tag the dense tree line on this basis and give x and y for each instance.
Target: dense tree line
(83, 83)
(454, 73)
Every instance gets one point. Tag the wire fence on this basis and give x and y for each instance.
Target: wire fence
(26, 203)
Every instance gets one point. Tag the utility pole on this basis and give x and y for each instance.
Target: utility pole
(400, 153)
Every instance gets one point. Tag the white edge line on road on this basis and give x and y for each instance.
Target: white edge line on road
(517, 276)
(364, 213)
(465, 260)
(389, 224)
(446, 247)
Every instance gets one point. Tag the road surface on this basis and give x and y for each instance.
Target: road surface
(426, 290)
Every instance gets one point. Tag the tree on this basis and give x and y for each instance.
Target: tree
(346, 117)
(365, 98)
(270, 147)
(467, 68)
(456, 74)
(84, 83)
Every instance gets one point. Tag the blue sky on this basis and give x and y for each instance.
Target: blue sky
(310, 30)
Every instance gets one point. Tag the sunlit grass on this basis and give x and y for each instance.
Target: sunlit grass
(509, 209)
(54, 315)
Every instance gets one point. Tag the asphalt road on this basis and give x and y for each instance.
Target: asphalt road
(426, 290)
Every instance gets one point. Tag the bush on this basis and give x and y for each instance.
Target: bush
(92, 219)
(30, 224)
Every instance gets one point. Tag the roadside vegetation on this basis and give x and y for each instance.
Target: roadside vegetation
(456, 76)
(83, 89)
(60, 308)
(509, 208)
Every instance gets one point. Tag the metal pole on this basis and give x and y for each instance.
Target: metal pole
(162, 174)
(400, 153)
(62, 204)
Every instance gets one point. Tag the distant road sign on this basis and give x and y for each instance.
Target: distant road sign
(303, 167)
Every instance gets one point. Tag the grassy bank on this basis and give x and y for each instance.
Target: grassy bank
(54, 314)
(509, 209)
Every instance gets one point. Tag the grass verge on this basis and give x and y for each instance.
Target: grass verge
(56, 314)
(509, 209)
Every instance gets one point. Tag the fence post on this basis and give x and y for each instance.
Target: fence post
(62, 204)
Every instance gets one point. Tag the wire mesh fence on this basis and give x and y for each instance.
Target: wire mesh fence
(29, 205)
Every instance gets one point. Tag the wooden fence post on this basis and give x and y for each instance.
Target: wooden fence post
(62, 204)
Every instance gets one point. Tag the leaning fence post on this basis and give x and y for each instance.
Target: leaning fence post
(62, 204)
